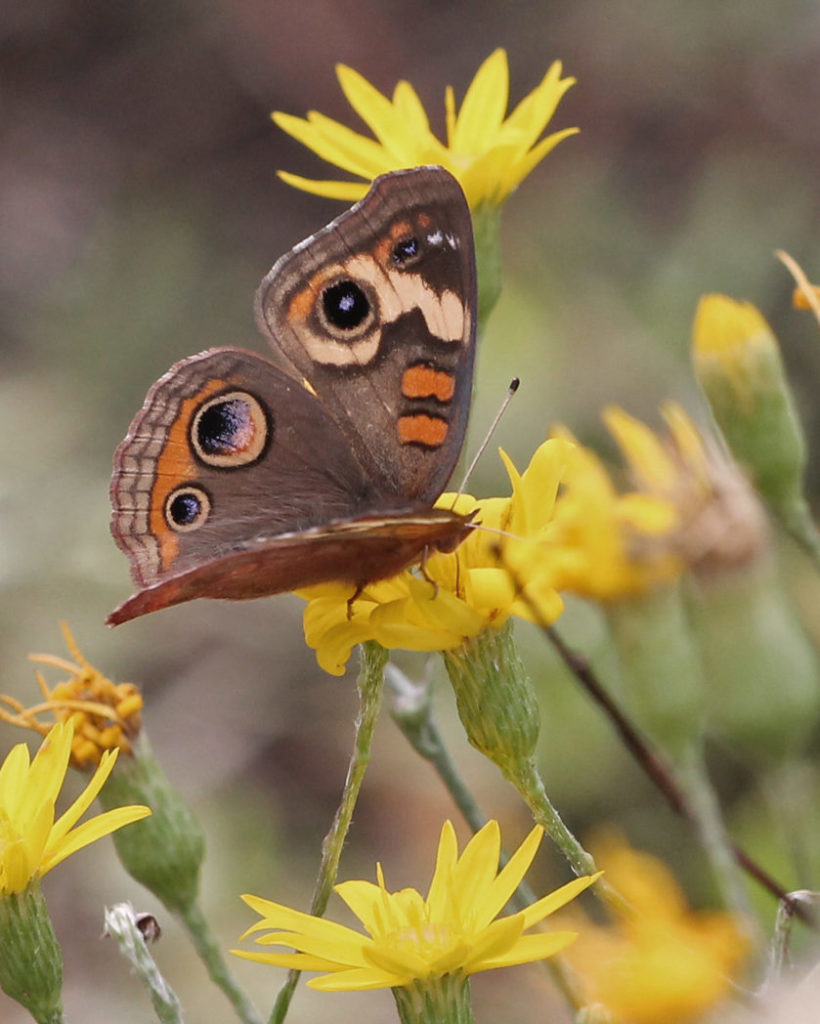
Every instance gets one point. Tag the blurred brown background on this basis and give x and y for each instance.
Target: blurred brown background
(138, 211)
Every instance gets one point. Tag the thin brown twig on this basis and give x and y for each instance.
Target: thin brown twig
(653, 765)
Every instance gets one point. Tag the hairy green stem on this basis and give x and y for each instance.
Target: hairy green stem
(370, 685)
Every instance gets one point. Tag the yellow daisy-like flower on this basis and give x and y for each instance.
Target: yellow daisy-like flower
(408, 938)
(105, 715)
(487, 151)
(32, 842)
(466, 591)
(663, 963)
(608, 545)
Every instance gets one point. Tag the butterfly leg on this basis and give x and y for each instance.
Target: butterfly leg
(423, 569)
(357, 593)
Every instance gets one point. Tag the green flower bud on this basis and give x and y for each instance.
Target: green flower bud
(165, 851)
(495, 698)
(738, 364)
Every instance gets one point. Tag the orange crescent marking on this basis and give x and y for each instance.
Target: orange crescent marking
(174, 466)
(422, 381)
(421, 429)
(301, 304)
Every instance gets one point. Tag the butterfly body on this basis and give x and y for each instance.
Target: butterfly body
(239, 478)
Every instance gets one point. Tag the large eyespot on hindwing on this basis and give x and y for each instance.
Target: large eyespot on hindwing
(347, 309)
(230, 430)
(187, 508)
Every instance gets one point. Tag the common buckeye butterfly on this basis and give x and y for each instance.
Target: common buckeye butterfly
(240, 478)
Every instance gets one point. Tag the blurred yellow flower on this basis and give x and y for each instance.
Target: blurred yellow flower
(721, 522)
(105, 715)
(738, 364)
(455, 930)
(489, 153)
(733, 343)
(466, 591)
(32, 842)
(608, 546)
(663, 963)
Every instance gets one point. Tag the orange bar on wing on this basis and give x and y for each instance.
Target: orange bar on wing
(422, 381)
(420, 429)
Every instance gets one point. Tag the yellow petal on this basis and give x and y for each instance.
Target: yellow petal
(86, 798)
(500, 889)
(363, 980)
(648, 459)
(496, 940)
(335, 143)
(348, 191)
(484, 106)
(520, 168)
(91, 831)
(529, 948)
(477, 866)
(555, 900)
(399, 137)
(532, 114)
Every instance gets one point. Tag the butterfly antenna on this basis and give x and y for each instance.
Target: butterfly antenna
(511, 390)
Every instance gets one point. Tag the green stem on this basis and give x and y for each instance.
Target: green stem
(797, 518)
(370, 685)
(412, 711)
(487, 232)
(705, 813)
(210, 953)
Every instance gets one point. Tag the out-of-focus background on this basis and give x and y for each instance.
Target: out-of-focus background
(139, 210)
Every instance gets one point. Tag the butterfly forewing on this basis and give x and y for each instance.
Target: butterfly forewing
(377, 311)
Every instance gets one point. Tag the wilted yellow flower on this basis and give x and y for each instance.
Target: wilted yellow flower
(466, 591)
(721, 522)
(606, 545)
(32, 842)
(487, 151)
(408, 938)
(663, 963)
(105, 715)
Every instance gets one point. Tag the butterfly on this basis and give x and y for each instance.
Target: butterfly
(242, 477)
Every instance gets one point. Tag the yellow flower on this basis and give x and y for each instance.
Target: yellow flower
(466, 591)
(105, 715)
(663, 963)
(489, 153)
(721, 522)
(733, 343)
(32, 842)
(737, 362)
(606, 545)
(455, 930)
